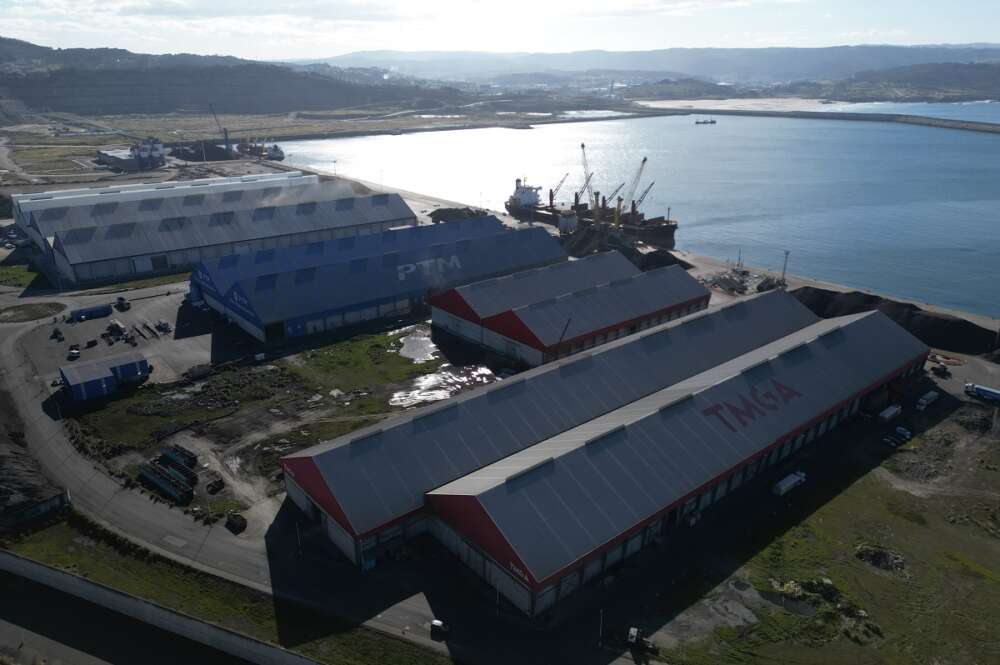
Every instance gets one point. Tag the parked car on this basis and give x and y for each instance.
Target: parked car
(905, 433)
(74, 351)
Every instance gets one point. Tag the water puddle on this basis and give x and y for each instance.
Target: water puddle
(445, 383)
(418, 347)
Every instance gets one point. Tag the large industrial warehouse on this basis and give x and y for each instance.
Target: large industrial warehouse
(539, 315)
(543, 482)
(43, 214)
(281, 298)
(135, 230)
(212, 279)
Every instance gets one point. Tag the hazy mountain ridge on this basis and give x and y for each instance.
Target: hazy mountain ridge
(18, 56)
(243, 88)
(738, 65)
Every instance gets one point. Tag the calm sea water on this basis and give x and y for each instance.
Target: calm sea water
(907, 211)
(983, 111)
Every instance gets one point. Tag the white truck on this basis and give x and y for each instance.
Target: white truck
(890, 413)
(788, 483)
(927, 399)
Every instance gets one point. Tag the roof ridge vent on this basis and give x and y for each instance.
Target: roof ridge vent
(534, 467)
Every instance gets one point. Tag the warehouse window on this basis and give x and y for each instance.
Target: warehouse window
(173, 224)
(305, 275)
(229, 197)
(263, 214)
(305, 208)
(266, 282)
(116, 231)
(263, 256)
(345, 204)
(221, 219)
(346, 243)
(314, 248)
(194, 200)
(150, 204)
(103, 209)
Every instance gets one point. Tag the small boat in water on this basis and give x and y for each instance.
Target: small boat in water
(710, 121)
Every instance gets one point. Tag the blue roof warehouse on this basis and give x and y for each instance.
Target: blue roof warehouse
(282, 297)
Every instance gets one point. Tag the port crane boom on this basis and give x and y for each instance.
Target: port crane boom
(222, 130)
(642, 198)
(587, 173)
(634, 185)
(611, 196)
(555, 191)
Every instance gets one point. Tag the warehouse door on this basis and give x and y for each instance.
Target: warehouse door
(142, 264)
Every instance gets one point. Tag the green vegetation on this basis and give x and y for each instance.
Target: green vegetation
(369, 363)
(80, 547)
(939, 608)
(29, 312)
(16, 271)
(145, 282)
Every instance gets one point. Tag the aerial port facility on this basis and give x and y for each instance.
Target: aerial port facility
(543, 482)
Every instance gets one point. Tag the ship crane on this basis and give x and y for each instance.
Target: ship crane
(634, 184)
(555, 191)
(611, 197)
(638, 203)
(223, 130)
(587, 174)
(586, 186)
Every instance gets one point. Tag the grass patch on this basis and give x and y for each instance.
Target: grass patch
(225, 505)
(143, 283)
(139, 420)
(29, 312)
(942, 609)
(366, 362)
(79, 547)
(16, 271)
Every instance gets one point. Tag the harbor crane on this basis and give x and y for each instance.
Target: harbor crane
(224, 131)
(587, 174)
(586, 186)
(642, 197)
(611, 197)
(555, 190)
(634, 184)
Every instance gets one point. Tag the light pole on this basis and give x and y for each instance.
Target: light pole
(784, 268)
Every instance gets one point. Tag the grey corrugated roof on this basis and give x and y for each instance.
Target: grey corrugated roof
(564, 497)
(493, 296)
(297, 293)
(382, 472)
(609, 304)
(156, 236)
(220, 274)
(84, 196)
(89, 370)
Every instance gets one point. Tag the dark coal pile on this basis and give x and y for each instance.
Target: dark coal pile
(936, 330)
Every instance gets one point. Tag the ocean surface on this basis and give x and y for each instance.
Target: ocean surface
(982, 111)
(904, 210)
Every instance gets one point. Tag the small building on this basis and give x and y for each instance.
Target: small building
(282, 300)
(103, 377)
(121, 159)
(540, 315)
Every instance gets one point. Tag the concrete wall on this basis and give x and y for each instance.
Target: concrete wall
(216, 637)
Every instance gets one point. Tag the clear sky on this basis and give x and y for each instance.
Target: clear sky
(276, 29)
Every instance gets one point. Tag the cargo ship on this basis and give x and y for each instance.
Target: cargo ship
(525, 204)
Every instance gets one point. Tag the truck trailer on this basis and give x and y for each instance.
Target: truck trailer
(982, 392)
